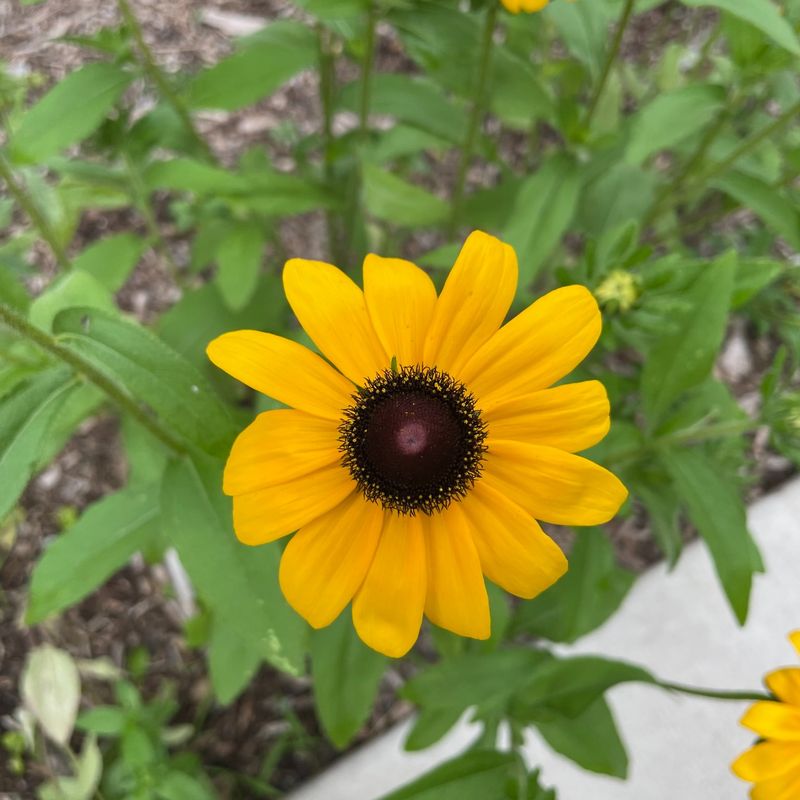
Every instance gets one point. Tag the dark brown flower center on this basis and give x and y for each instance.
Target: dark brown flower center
(413, 440)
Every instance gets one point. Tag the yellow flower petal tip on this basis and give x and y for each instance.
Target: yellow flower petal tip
(402, 496)
(772, 765)
(526, 6)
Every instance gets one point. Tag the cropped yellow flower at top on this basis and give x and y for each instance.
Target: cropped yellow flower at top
(527, 6)
(773, 764)
(417, 458)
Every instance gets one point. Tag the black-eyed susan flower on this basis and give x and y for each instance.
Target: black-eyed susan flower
(773, 764)
(526, 6)
(423, 443)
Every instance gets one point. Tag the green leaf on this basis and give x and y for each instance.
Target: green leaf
(777, 209)
(590, 592)
(671, 118)
(238, 583)
(762, 14)
(51, 690)
(591, 740)
(543, 210)
(571, 685)
(88, 552)
(345, 674)
(88, 771)
(151, 372)
(26, 418)
(416, 101)
(111, 260)
(103, 720)
(584, 29)
(239, 257)
(69, 112)
(490, 678)
(716, 509)
(74, 288)
(753, 275)
(393, 200)
(232, 659)
(264, 62)
(517, 93)
(620, 194)
(662, 507)
(684, 358)
(477, 775)
(430, 725)
(265, 191)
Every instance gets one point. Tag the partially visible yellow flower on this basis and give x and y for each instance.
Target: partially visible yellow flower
(773, 764)
(527, 6)
(423, 444)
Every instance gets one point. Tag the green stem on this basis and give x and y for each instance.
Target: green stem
(327, 77)
(48, 343)
(28, 205)
(141, 199)
(355, 180)
(157, 76)
(750, 143)
(712, 693)
(611, 57)
(476, 115)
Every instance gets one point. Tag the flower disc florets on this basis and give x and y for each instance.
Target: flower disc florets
(413, 440)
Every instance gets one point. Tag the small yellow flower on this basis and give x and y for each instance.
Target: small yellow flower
(417, 458)
(619, 287)
(527, 6)
(773, 764)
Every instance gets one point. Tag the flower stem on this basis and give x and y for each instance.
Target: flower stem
(29, 206)
(611, 57)
(355, 179)
(327, 78)
(157, 76)
(50, 345)
(476, 115)
(712, 693)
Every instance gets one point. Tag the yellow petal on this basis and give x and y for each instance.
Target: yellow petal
(552, 485)
(766, 760)
(473, 303)
(331, 309)
(533, 5)
(571, 417)
(456, 598)
(773, 720)
(277, 447)
(325, 562)
(387, 610)
(400, 298)
(783, 787)
(794, 638)
(272, 512)
(282, 369)
(514, 551)
(536, 348)
(785, 685)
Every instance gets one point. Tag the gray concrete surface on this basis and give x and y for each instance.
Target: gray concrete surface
(680, 627)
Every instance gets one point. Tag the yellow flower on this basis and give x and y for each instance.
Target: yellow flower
(773, 765)
(528, 6)
(419, 459)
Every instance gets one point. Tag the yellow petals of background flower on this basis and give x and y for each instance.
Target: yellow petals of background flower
(423, 444)
(773, 764)
(527, 6)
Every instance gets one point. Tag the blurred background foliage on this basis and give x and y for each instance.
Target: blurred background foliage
(647, 150)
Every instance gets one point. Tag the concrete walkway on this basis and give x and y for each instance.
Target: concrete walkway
(681, 628)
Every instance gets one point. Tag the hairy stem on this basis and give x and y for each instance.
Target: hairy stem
(475, 116)
(713, 693)
(327, 82)
(28, 205)
(611, 57)
(157, 76)
(50, 345)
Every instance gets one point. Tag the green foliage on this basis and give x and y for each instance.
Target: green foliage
(599, 167)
